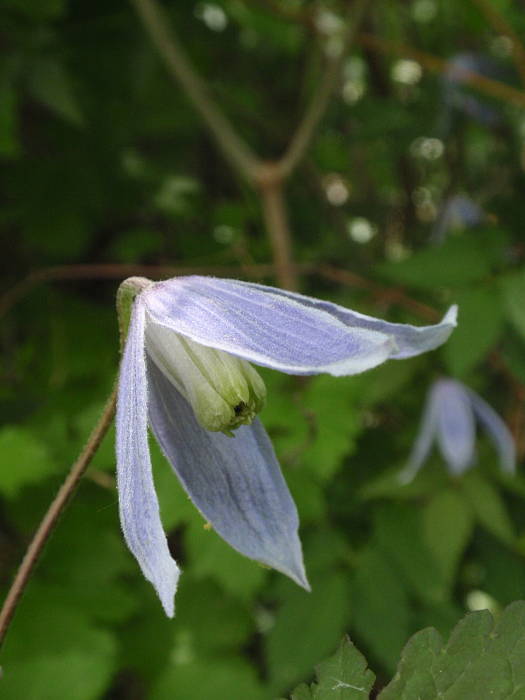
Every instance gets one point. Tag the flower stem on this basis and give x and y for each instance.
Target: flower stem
(54, 511)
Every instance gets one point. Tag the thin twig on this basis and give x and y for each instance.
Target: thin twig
(381, 293)
(50, 519)
(117, 271)
(433, 63)
(501, 25)
(234, 149)
(304, 133)
(276, 220)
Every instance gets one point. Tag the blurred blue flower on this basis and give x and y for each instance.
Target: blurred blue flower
(449, 419)
(456, 94)
(185, 370)
(457, 212)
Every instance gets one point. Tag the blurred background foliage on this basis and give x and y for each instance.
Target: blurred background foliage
(408, 198)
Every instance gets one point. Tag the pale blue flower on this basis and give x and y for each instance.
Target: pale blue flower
(185, 371)
(449, 418)
(456, 96)
(456, 213)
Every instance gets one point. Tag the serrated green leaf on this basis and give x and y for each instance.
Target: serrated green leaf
(414, 679)
(302, 692)
(481, 660)
(344, 676)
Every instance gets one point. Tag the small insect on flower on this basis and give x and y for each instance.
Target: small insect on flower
(185, 371)
(449, 418)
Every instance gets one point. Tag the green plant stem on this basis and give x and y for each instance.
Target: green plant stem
(54, 511)
(487, 86)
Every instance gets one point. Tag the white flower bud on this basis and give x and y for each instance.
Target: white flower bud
(224, 391)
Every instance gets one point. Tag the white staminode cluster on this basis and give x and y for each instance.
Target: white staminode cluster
(224, 391)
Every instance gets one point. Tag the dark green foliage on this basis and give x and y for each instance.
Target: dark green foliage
(484, 658)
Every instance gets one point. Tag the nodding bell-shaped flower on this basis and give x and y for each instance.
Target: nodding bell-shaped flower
(449, 418)
(187, 345)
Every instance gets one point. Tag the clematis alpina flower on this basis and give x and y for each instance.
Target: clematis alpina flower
(455, 93)
(449, 418)
(185, 370)
(457, 213)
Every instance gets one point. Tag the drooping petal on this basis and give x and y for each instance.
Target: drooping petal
(236, 482)
(283, 330)
(497, 430)
(138, 505)
(456, 430)
(265, 327)
(424, 440)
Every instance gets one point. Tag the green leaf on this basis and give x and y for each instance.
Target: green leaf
(398, 532)
(285, 416)
(51, 85)
(302, 692)
(307, 627)
(229, 678)
(457, 262)
(88, 539)
(212, 557)
(448, 521)
(488, 506)
(381, 614)
(336, 421)
(385, 381)
(25, 460)
(53, 651)
(481, 660)
(480, 322)
(307, 494)
(344, 676)
(209, 620)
